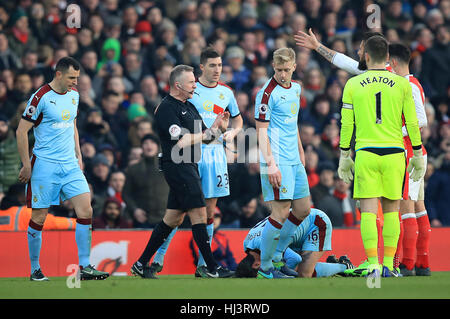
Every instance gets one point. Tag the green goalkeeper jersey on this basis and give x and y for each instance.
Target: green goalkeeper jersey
(375, 101)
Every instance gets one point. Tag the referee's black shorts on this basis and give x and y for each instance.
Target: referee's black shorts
(185, 187)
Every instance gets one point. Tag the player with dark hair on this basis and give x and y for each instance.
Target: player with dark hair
(310, 241)
(415, 222)
(53, 172)
(375, 102)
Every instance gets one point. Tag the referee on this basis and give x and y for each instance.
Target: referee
(181, 130)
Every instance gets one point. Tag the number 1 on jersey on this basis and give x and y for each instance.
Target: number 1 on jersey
(378, 107)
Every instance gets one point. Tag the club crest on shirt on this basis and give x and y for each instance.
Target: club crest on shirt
(73, 101)
(221, 96)
(65, 115)
(263, 108)
(284, 190)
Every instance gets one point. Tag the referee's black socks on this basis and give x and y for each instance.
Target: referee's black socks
(159, 235)
(202, 240)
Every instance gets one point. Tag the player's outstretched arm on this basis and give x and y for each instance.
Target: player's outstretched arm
(340, 60)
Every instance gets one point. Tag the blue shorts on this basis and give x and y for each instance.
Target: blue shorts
(294, 183)
(318, 237)
(213, 171)
(52, 183)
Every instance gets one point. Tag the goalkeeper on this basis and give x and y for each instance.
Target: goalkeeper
(375, 102)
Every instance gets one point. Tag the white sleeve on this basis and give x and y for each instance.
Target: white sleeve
(346, 63)
(420, 108)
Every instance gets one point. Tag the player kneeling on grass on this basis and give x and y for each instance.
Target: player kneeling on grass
(311, 239)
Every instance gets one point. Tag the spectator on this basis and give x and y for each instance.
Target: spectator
(110, 153)
(115, 116)
(251, 212)
(314, 84)
(133, 70)
(97, 129)
(116, 184)
(9, 157)
(98, 178)
(326, 171)
(436, 194)
(437, 58)
(235, 58)
(21, 93)
(20, 37)
(220, 246)
(8, 58)
(14, 196)
(318, 114)
(330, 138)
(111, 216)
(145, 191)
(149, 89)
(341, 192)
(312, 160)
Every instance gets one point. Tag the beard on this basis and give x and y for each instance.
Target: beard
(362, 65)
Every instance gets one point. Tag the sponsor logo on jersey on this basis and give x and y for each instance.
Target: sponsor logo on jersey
(208, 106)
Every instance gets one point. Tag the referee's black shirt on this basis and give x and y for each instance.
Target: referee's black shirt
(173, 119)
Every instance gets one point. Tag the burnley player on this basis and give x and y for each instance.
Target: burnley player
(283, 176)
(53, 172)
(311, 240)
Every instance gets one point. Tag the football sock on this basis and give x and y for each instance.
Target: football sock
(423, 239)
(34, 235)
(399, 251)
(391, 232)
(269, 240)
(159, 235)
(161, 252)
(83, 236)
(328, 269)
(210, 231)
(291, 258)
(286, 236)
(201, 238)
(369, 235)
(409, 239)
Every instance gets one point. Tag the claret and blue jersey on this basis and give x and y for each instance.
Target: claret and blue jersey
(53, 115)
(280, 107)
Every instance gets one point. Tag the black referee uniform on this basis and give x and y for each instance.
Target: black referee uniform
(173, 118)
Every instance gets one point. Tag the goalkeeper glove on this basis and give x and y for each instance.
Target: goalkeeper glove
(416, 165)
(346, 167)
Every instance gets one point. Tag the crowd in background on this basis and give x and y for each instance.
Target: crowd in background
(127, 50)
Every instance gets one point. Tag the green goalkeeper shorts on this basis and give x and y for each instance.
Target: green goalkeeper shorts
(379, 175)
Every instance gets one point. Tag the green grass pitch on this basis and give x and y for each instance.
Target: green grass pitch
(187, 287)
